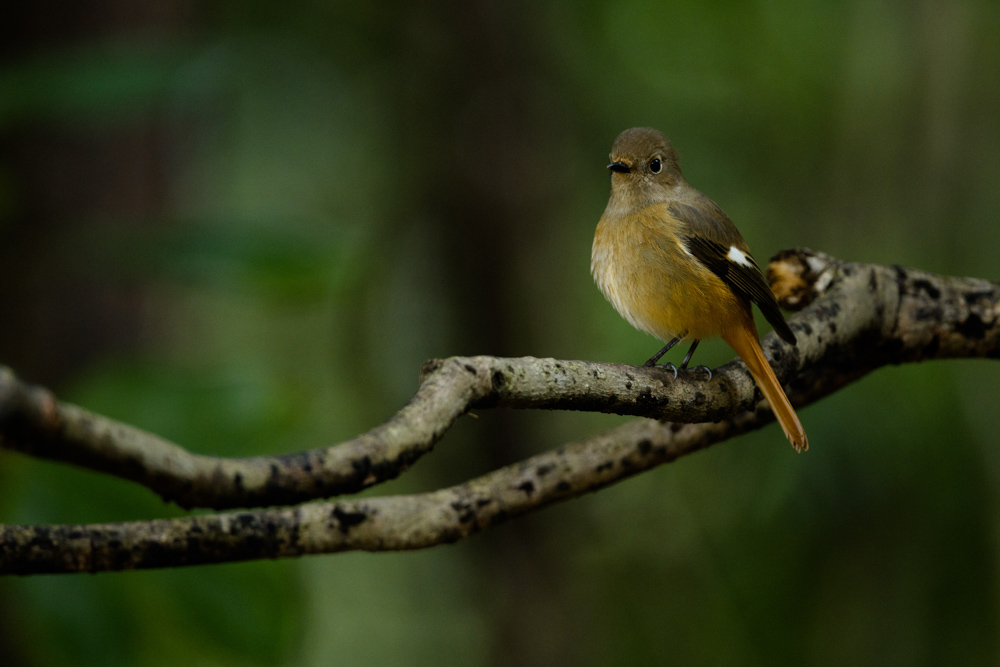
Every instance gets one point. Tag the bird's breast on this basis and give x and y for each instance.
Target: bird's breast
(642, 268)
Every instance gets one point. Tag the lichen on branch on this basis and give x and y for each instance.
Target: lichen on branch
(853, 318)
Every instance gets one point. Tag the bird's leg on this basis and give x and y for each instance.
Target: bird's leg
(656, 357)
(694, 346)
(687, 359)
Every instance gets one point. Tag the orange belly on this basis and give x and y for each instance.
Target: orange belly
(654, 283)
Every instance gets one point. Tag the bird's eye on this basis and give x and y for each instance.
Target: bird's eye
(654, 165)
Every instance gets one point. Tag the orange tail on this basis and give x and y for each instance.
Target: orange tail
(743, 340)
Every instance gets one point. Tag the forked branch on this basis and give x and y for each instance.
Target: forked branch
(854, 318)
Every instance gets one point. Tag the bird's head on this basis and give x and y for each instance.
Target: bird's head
(644, 166)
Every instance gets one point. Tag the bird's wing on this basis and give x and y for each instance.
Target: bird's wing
(714, 241)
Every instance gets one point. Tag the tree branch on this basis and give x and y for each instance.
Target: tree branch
(855, 318)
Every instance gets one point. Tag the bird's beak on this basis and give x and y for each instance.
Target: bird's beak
(620, 167)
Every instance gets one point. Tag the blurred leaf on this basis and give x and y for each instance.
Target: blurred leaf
(106, 82)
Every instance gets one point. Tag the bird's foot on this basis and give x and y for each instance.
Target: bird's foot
(674, 369)
(704, 368)
(667, 366)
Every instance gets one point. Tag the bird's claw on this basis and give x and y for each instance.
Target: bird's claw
(706, 368)
(668, 366)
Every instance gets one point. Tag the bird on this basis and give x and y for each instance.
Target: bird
(675, 266)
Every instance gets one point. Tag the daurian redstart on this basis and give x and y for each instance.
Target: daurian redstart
(672, 264)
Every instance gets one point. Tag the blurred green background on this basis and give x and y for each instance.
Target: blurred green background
(244, 226)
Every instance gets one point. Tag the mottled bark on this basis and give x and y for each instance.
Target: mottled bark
(854, 318)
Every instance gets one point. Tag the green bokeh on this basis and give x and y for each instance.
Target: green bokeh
(350, 191)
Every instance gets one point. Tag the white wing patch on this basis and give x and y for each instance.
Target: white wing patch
(737, 257)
